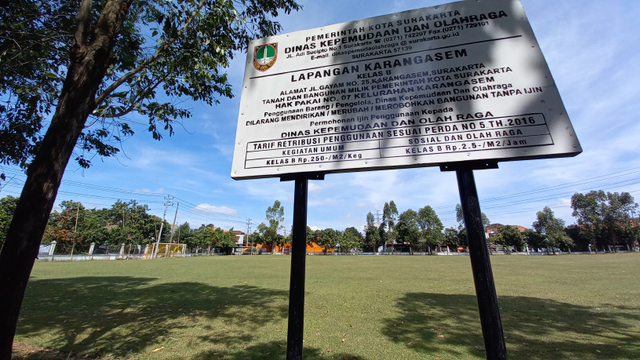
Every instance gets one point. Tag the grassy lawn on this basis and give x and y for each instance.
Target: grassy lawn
(357, 307)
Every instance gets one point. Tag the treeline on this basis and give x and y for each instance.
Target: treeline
(604, 221)
(76, 227)
(270, 233)
(422, 230)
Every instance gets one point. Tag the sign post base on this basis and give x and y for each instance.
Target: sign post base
(492, 333)
(298, 253)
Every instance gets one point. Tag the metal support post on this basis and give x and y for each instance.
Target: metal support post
(482, 275)
(298, 254)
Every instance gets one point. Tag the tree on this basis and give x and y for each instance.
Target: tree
(451, 237)
(604, 216)
(275, 217)
(389, 218)
(553, 228)
(509, 236)
(372, 234)
(202, 237)
(430, 225)
(311, 235)
(63, 225)
(580, 240)
(224, 240)
(95, 62)
(350, 239)
(183, 235)
(130, 223)
(619, 220)
(328, 239)
(630, 233)
(407, 229)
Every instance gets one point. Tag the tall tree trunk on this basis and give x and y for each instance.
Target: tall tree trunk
(88, 64)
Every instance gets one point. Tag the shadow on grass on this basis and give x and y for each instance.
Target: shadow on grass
(126, 315)
(534, 328)
(276, 351)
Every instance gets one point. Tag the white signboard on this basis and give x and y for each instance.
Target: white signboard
(457, 82)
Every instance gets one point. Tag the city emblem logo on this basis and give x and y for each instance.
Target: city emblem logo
(265, 56)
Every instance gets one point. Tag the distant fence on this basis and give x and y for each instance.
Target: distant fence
(134, 252)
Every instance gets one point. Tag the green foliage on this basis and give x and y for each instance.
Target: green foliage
(62, 226)
(350, 239)
(606, 217)
(534, 239)
(268, 234)
(166, 52)
(311, 235)
(580, 240)
(389, 219)
(208, 236)
(509, 236)
(552, 228)
(275, 215)
(454, 238)
(372, 235)
(328, 239)
(7, 208)
(201, 238)
(407, 228)
(183, 234)
(430, 225)
(124, 222)
(35, 37)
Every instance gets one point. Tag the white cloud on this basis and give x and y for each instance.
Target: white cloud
(216, 209)
(148, 191)
(316, 186)
(323, 201)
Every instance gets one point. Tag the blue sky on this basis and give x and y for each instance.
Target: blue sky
(591, 48)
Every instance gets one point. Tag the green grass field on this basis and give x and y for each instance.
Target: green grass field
(357, 307)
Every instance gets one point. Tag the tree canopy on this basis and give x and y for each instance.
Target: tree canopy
(328, 239)
(163, 50)
(407, 228)
(606, 217)
(372, 234)
(7, 209)
(509, 236)
(268, 234)
(350, 239)
(553, 228)
(430, 225)
(95, 62)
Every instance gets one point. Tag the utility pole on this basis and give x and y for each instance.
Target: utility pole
(123, 233)
(166, 205)
(174, 223)
(75, 229)
(248, 234)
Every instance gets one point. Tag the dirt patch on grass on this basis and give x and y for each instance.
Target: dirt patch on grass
(24, 351)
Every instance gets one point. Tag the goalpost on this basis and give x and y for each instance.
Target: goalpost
(165, 250)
